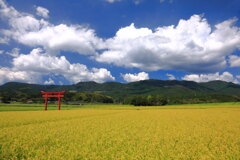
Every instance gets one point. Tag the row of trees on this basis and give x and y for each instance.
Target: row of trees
(87, 97)
(137, 100)
(159, 100)
(70, 97)
(147, 100)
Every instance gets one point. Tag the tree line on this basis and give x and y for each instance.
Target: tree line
(70, 97)
(137, 100)
(160, 100)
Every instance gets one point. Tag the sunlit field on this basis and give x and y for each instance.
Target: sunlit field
(209, 131)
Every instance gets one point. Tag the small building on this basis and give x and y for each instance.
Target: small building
(29, 101)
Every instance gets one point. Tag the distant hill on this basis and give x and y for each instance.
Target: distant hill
(122, 90)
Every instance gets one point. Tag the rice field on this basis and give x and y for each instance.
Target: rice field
(109, 132)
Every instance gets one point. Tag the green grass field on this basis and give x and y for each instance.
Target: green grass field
(201, 132)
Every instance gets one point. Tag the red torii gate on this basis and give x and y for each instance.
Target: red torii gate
(52, 94)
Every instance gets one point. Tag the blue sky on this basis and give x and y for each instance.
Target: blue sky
(65, 42)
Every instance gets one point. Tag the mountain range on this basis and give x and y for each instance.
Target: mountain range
(122, 90)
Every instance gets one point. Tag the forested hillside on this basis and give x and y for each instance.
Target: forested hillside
(147, 92)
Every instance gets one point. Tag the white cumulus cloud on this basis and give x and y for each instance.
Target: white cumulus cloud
(28, 30)
(190, 46)
(170, 76)
(19, 23)
(8, 74)
(14, 52)
(234, 61)
(135, 77)
(225, 76)
(63, 38)
(49, 81)
(43, 12)
(43, 63)
(32, 67)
